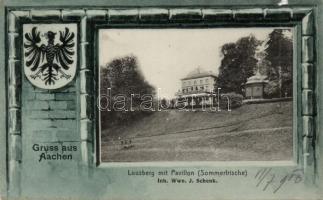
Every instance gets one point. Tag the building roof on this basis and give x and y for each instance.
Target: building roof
(257, 78)
(198, 73)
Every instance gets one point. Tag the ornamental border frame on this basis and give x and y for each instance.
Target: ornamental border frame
(87, 17)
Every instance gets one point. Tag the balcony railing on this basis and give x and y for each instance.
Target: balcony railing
(193, 92)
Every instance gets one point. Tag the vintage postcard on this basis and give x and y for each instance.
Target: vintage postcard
(161, 100)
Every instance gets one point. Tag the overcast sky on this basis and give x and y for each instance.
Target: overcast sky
(167, 55)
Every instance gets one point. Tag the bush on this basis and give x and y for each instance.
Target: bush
(271, 89)
(235, 100)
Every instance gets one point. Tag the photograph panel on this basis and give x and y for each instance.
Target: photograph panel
(202, 94)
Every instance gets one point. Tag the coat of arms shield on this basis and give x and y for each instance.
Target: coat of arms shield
(50, 54)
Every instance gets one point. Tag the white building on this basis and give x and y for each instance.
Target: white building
(197, 87)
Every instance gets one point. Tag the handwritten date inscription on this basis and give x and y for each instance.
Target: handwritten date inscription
(267, 179)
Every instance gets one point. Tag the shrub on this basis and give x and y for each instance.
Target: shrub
(235, 100)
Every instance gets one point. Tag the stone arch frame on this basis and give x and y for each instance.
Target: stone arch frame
(301, 17)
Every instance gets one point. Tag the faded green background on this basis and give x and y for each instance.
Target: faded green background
(72, 179)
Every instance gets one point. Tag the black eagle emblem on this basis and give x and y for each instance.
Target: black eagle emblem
(58, 56)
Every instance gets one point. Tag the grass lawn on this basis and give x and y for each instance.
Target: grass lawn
(252, 132)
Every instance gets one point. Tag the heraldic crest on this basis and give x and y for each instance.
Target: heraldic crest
(49, 55)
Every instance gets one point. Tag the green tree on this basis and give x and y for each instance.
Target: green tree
(238, 64)
(279, 55)
(123, 77)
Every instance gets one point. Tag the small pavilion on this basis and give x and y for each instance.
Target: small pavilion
(255, 85)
